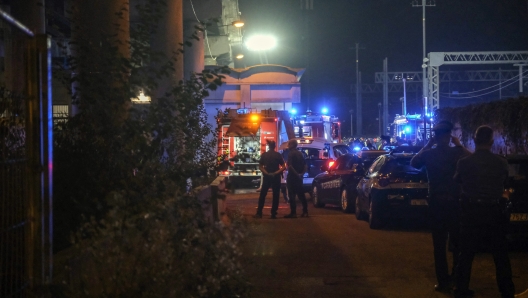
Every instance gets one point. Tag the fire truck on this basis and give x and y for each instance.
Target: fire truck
(311, 126)
(411, 127)
(242, 135)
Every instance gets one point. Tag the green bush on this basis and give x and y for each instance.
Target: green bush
(126, 168)
(509, 119)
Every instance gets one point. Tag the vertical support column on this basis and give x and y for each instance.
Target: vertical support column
(46, 156)
(169, 39)
(194, 56)
(39, 138)
(98, 25)
(521, 91)
(33, 239)
(434, 86)
(245, 96)
(359, 108)
(385, 95)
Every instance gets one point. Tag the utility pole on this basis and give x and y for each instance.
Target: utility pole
(425, 91)
(359, 118)
(404, 109)
(379, 118)
(351, 122)
(385, 95)
(307, 8)
(424, 4)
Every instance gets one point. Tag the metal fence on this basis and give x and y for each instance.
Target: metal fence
(25, 160)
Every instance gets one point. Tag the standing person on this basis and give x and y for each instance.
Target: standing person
(294, 181)
(271, 165)
(440, 163)
(384, 141)
(483, 178)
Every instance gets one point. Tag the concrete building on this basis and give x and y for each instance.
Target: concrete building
(258, 87)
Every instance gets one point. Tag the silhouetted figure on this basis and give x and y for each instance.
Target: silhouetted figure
(271, 165)
(294, 181)
(440, 160)
(483, 177)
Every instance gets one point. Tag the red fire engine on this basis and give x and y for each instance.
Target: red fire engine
(242, 138)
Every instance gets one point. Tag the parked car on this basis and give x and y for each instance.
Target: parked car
(391, 188)
(337, 185)
(317, 152)
(518, 184)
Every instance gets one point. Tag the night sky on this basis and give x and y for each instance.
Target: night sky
(385, 28)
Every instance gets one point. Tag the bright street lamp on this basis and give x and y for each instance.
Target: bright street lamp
(261, 43)
(238, 23)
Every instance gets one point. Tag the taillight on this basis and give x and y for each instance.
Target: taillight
(331, 164)
(225, 173)
(383, 182)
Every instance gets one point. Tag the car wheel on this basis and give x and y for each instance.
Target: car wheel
(316, 199)
(359, 213)
(375, 221)
(346, 205)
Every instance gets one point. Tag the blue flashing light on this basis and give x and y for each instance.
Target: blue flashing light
(357, 148)
(293, 111)
(407, 129)
(324, 111)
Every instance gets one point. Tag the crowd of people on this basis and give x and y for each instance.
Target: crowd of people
(379, 143)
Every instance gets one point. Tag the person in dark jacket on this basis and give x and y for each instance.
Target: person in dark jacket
(271, 165)
(294, 181)
(440, 160)
(483, 178)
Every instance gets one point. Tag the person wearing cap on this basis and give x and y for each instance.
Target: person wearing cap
(294, 181)
(271, 165)
(483, 177)
(440, 159)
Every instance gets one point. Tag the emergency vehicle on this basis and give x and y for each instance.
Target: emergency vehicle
(242, 135)
(312, 125)
(411, 127)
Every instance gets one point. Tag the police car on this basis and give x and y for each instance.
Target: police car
(317, 152)
(391, 188)
(337, 185)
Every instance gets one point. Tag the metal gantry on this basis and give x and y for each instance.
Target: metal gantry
(436, 59)
(451, 76)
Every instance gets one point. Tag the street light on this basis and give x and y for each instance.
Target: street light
(238, 23)
(261, 44)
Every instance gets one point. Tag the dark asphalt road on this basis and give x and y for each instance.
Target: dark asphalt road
(331, 254)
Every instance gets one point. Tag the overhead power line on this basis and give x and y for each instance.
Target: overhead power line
(515, 78)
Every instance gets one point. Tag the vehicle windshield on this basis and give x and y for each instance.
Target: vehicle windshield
(340, 150)
(400, 167)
